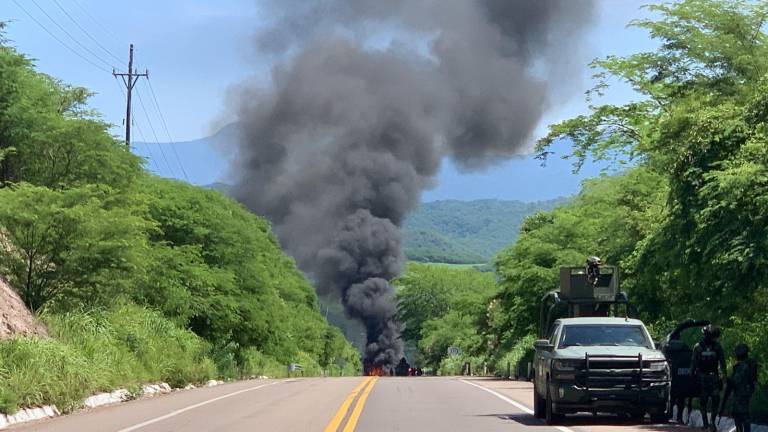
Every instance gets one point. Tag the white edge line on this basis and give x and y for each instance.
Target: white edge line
(517, 404)
(191, 407)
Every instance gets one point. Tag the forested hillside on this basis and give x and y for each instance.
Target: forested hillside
(466, 231)
(138, 278)
(688, 224)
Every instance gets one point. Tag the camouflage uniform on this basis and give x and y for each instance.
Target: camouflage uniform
(706, 364)
(741, 383)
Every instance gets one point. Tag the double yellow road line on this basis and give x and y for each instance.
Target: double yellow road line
(363, 390)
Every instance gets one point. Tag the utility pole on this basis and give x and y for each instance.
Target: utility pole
(129, 79)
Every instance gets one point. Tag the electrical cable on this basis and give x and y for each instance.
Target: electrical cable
(34, 2)
(103, 48)
(152, 128)
(151, 158)
(165, 126)
(98, 23)
(77, 53)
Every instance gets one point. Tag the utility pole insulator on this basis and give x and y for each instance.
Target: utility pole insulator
(129, 79)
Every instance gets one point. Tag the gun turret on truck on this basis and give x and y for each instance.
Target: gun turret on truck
(591, 356)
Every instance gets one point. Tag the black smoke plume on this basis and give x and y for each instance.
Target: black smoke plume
(338, 148)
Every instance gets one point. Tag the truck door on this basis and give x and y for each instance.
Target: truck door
(542, 367)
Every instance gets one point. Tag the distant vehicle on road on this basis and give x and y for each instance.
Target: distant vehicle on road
(589, 358)
(403, 368)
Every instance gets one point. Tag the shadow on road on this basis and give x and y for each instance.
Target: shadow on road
(523, 419)
(601, 423)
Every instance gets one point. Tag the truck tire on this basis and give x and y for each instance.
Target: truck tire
(551, 417)
(538, 402)
(659, 418)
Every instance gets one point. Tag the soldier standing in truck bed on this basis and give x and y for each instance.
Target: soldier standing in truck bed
(741, 383)
(707, 363)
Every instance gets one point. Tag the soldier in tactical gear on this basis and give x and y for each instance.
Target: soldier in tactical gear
(741, 383)
(707, 363)
(593, 270)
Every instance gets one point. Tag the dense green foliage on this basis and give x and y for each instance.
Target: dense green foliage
(443, 306)
(103, 249)
(466, 231)
(688, 223)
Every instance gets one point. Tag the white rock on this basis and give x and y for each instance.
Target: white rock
(189, 387)
(3, 421)
(51, 410)
(106, 398)
(212, 383)
(28, 414)
(20, 417)
(165, 388)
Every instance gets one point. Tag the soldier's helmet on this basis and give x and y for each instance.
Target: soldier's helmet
(741, 351)
(711, 331)
(593, 261)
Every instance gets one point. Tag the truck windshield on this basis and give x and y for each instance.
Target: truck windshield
(603, 335)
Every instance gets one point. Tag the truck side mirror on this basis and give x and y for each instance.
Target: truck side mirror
(543, 344)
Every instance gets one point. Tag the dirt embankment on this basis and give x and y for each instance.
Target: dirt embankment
(15, 318)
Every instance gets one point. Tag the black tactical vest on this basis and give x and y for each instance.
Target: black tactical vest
(708, 360)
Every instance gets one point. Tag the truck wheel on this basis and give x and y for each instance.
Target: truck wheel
(538, 402)
(552, 417)
(657, 418)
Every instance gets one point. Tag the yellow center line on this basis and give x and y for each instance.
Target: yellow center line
(352, 422)
(333, 426)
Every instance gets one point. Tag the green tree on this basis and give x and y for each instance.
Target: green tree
(48, 136)
(71, 246)
(443, 306)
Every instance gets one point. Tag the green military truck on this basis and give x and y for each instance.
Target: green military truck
(591, 357)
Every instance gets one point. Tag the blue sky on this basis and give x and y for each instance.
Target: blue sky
(196, 50)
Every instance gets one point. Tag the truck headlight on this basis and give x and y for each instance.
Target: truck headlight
(658, 366)
(565, 365)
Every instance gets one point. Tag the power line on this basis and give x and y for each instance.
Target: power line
(165, 126)
(152, 128)
(77, 53)
(70, 35)
(129, 79)
(86, 31)
(141, 135)
(98, 23)
(151, 157)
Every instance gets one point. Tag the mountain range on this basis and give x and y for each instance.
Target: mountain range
(466, 232)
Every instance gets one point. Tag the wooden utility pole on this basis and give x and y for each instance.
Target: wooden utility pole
(129, 79)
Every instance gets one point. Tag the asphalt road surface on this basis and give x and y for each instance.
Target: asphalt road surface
(336, 404)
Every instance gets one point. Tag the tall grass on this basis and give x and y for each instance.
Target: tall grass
(99, 351)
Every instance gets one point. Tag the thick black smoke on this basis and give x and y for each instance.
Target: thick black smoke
(339, 148)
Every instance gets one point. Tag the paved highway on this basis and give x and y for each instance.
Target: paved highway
(335, 404)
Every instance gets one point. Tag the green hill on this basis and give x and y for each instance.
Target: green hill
(466, 231)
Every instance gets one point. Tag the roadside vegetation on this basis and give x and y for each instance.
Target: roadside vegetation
(138, 278)
(687, 221)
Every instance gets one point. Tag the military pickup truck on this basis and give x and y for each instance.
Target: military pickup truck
(590, 358)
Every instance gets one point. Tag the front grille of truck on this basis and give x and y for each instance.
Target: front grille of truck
(618, 372)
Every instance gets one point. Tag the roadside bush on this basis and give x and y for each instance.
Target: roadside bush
(454, 365)
(517, 358)
(255, 363)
